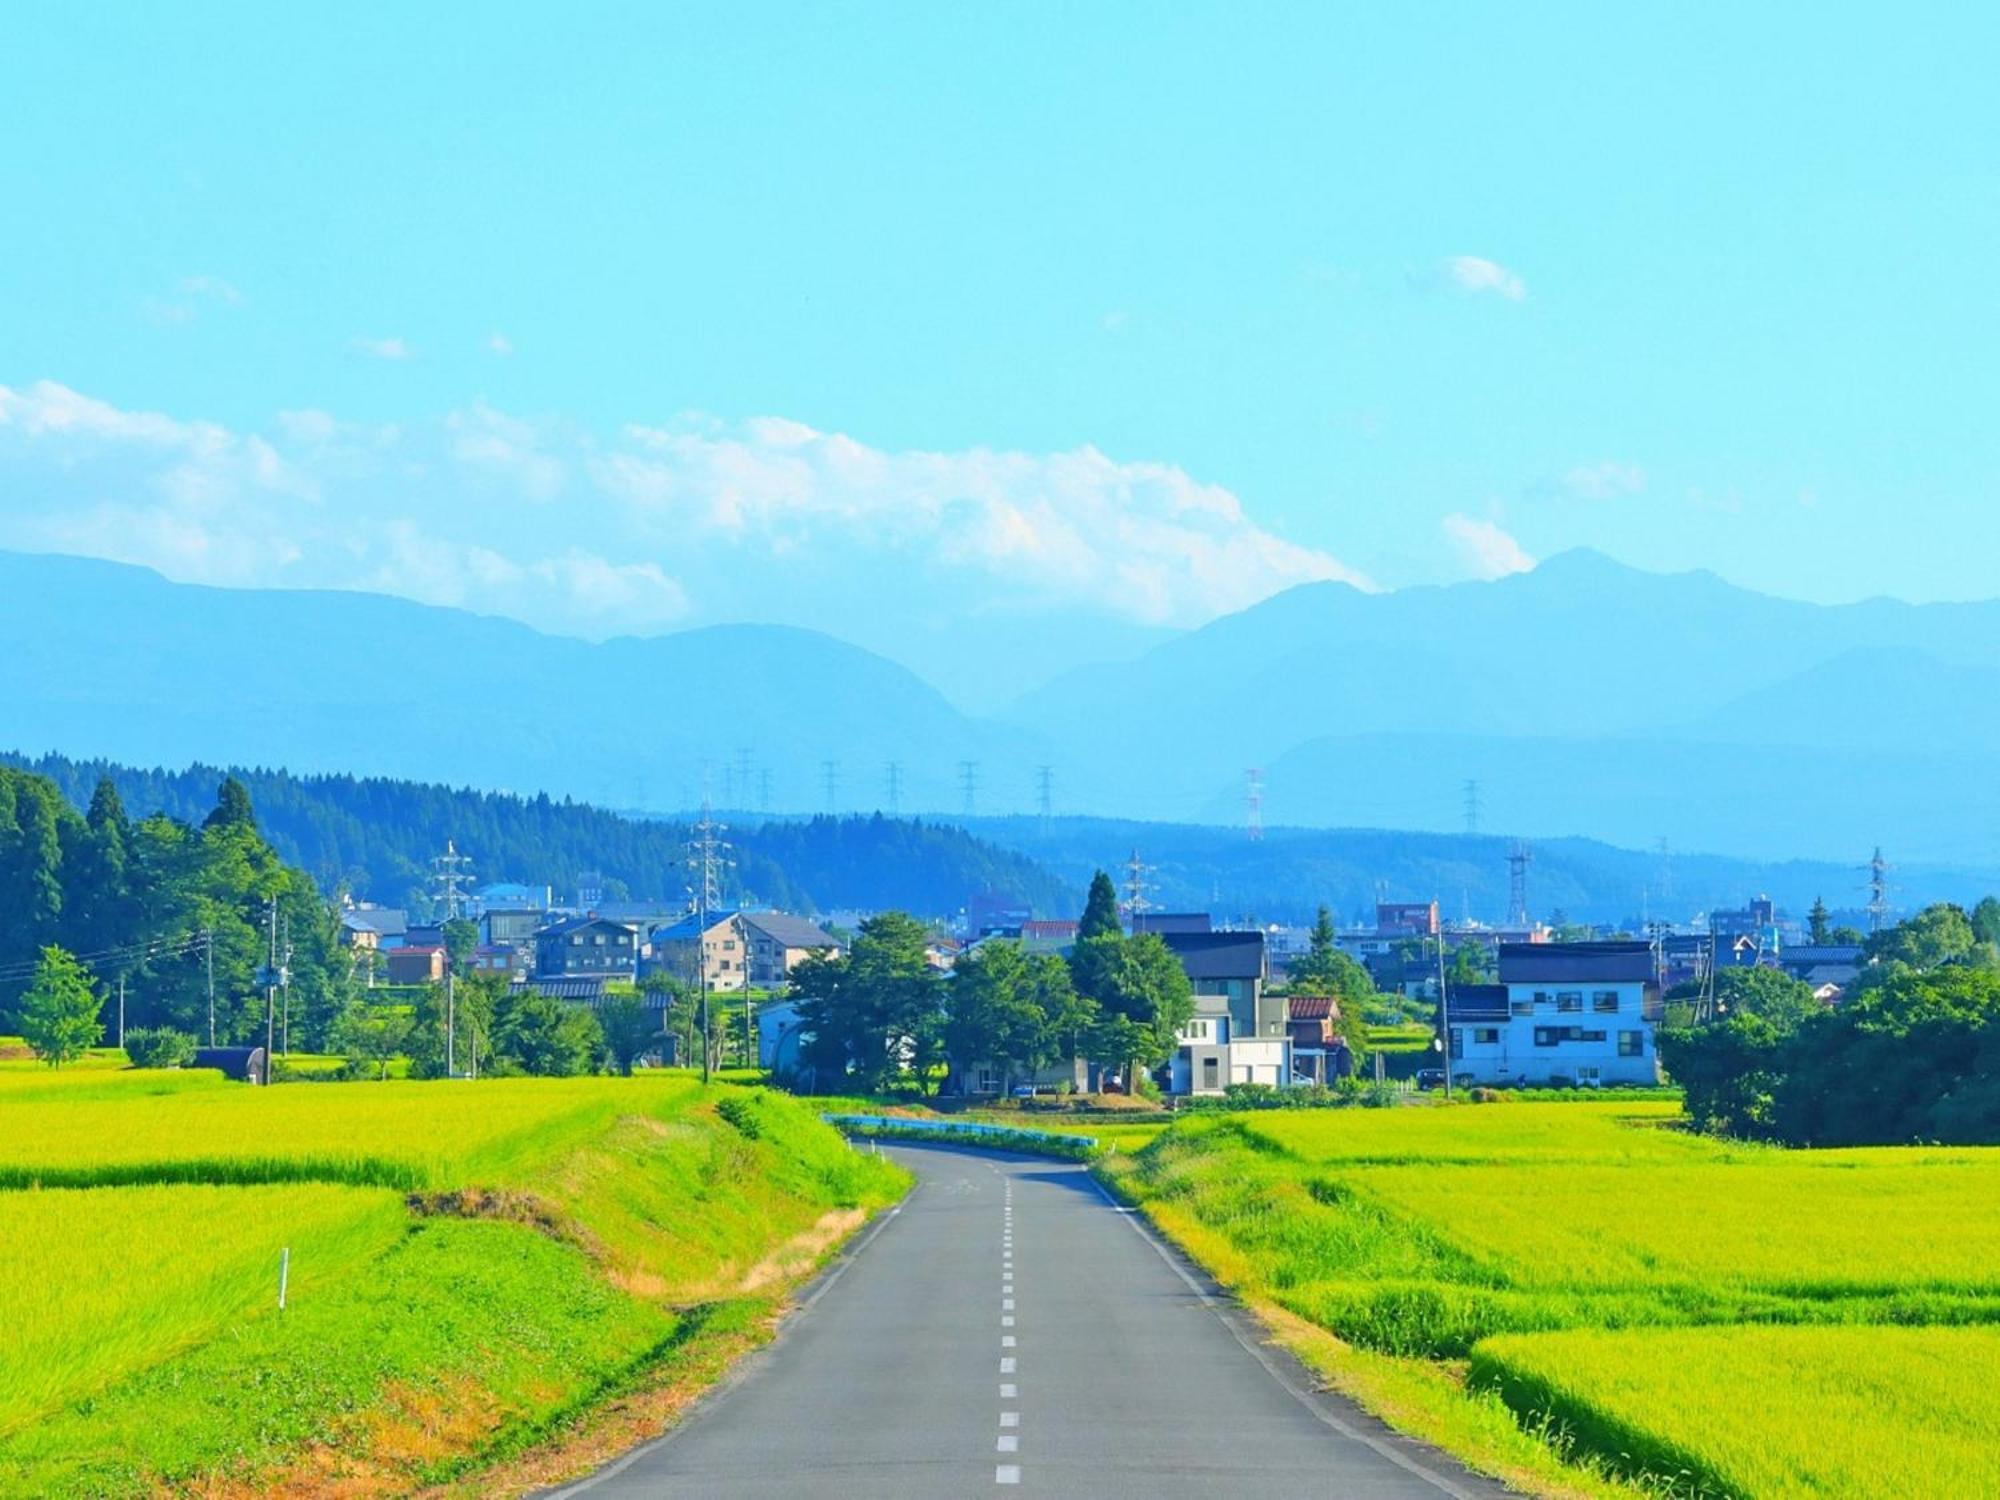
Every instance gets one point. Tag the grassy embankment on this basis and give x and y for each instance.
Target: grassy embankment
(474, 1269)
(1570, 1294)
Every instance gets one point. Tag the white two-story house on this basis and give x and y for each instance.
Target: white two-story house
(1576, 1013)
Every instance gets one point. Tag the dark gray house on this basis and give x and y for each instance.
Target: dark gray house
(1231, 967)
(585, 946)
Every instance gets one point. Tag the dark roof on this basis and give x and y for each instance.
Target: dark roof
(573, 924)
(1575, 963)
(588, 987)
(1809, 954)
(689, 927)
(1164, 922)
(1218, 955)
(1311, 1008)
(788, 931)
(1477, 1002)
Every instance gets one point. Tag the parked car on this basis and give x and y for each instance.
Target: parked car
(1430, 1078)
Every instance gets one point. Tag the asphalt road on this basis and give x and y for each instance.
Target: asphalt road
(1008, 1330)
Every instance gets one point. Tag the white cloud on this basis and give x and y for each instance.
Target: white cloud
(500, 344)
(387, 348)
(690, 519)
(1483, 548)
(1472, 273)
(1604, 481)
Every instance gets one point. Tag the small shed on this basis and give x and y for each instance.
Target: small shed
(244, 1064)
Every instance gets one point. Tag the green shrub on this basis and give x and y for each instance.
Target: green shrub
(159, 1047)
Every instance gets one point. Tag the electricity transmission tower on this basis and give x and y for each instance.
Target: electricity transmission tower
(1518, 860)
(968, 786)
(1045, 801)
(895, 788)
(1471, 791)
(829, 772)
(1137, 902)
(1879, 909)
(708, 856)
(1253, 798)
(450, 872)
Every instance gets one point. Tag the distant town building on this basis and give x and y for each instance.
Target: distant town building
(415, 963)
(775, 944)
(587, 946)
(683, 948)
(1407, 918)
(1561, 1013)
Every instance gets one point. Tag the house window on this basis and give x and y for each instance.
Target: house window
(1590, 1036)
(1521, 1008)
(576, 940)
(1486, 1036)
(1587, 1077)
(1546, 1036)
(1604, 1000)
(1631, 1044)
(1541, 997)
(1569, 1000)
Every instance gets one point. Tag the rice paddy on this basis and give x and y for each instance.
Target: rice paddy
(470, 1264)
(1431, 1236)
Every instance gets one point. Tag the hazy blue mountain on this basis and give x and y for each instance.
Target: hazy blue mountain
(101, 659)
(1285, 875)
(1586, 697)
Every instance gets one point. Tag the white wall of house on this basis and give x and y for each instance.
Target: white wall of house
(1590, 1032)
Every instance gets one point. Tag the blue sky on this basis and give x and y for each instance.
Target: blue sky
(841, 313)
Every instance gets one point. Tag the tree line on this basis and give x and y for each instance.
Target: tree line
(378, 835)
(880, 1016)
(1911, 1053)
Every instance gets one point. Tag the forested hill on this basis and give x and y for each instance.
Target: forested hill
(377, 837)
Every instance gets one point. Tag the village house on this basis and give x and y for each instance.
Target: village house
(415, 963)
(775, 944)
(1561, 1014)
(683, 949)
(587, 945)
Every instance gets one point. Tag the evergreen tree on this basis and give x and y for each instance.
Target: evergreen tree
(1100, 911)
(1817, 923)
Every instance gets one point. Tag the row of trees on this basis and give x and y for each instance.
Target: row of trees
(1911, 1054)
(880, 1014)
(168, 909)
(379, 835)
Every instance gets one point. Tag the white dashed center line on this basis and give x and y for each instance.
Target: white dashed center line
(1009, 1440)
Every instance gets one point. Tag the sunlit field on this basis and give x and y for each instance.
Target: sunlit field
(1832, 1413)
(1427, 1233)
(466, 1260)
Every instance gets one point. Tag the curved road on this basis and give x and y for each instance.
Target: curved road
(1009, 1330)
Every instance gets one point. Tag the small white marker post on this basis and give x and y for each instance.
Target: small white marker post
(284, 1275)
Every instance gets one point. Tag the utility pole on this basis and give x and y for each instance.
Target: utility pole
(707, 855)
(285, 983)
(270, 977)
(1444, 1020)
(121, 1007)
(208, 947)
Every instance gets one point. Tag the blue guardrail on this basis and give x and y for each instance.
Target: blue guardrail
(958, 1127)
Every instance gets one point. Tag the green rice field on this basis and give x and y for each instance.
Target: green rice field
(472, 1267)
(1579, 1266)
(1777, 1412)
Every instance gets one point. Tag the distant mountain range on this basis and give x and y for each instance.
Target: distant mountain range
(1585, 698)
